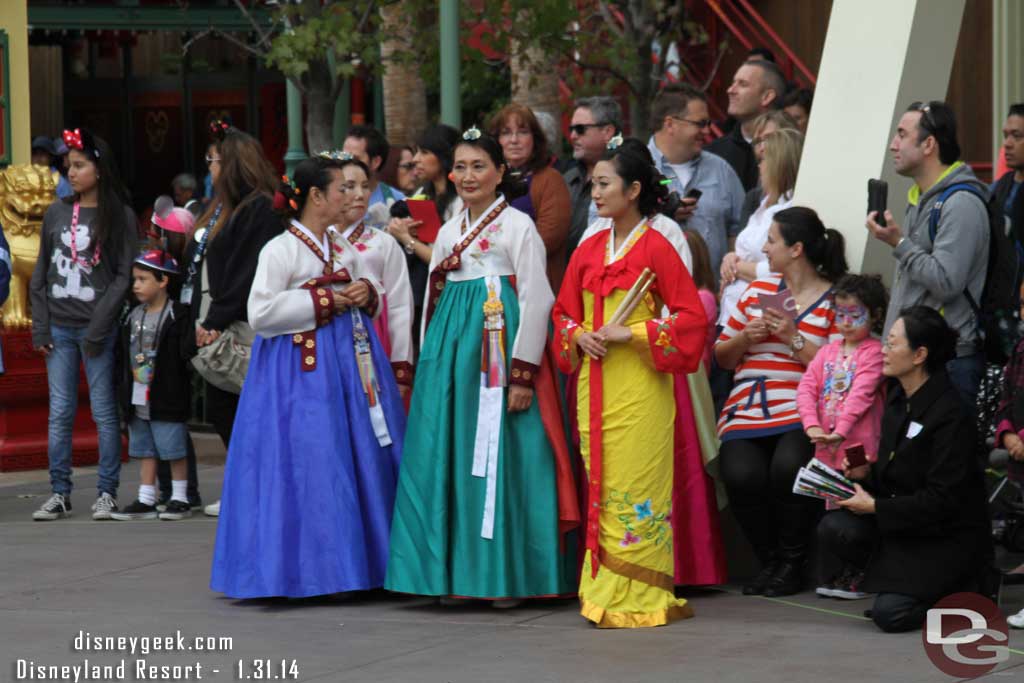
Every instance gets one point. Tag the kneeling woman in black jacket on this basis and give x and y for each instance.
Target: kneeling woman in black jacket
(919, 525)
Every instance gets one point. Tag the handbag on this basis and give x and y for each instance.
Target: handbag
(225, 361)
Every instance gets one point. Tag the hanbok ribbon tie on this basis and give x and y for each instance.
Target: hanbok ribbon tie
(368, 377)
(493, 379)
(323, 310)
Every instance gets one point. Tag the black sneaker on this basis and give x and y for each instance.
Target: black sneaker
(851, 588)
(136, 510)
(176, 510)
(196, 502)
(161, 502)
(57, 506)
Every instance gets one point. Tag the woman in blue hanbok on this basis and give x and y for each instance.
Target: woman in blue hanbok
(311, 474)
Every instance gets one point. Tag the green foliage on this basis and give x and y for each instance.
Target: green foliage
(341, 32)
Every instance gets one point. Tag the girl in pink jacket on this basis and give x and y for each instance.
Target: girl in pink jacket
(840, 396)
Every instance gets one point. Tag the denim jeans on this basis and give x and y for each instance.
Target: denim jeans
(965, 372)
(62, 365)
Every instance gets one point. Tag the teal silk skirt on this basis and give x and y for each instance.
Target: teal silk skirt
(436, 542)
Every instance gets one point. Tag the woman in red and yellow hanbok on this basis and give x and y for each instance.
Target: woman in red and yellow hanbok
(626, 405)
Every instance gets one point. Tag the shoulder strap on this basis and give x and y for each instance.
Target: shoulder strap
(933, 218)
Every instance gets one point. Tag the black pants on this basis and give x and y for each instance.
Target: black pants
(851, 538)
(221, 407)
(758, 475)
(163, 474)
(848, 537)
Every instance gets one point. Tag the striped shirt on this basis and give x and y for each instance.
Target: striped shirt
(763, 397)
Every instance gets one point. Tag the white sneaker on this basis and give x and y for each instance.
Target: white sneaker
(212, 510)
(56, 507)
(1017, 620)
(103, 506)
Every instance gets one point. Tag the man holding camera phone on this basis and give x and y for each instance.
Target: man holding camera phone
(708, 194)
(937, 273)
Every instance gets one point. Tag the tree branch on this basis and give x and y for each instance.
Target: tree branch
(361, 26)
(714, 69)
(609, 19)
(264, 37)
(202, 34)
(608, 70)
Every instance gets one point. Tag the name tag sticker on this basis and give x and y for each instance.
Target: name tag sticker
(914, 429)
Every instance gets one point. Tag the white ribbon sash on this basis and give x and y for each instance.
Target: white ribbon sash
(488, 434)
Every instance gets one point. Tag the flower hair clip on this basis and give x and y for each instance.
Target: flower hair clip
(472, 134)
(218, 129)
(335, 155)
(615, 142)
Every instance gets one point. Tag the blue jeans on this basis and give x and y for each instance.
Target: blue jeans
(965, 373)
(62, 373)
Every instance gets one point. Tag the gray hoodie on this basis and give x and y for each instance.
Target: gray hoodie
(936, 274)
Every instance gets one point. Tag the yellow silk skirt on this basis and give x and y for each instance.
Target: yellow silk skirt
(634, 582)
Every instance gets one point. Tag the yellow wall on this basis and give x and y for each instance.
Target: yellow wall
(14, 20)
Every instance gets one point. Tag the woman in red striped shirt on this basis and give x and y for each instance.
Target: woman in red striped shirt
(780, 323)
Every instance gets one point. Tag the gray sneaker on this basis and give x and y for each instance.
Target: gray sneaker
(56, 507)
(103, 506)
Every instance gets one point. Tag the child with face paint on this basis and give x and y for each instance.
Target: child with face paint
(841, 396)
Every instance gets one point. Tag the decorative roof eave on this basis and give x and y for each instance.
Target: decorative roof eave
(227, 19)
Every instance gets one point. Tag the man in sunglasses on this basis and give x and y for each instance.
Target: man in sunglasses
(679, 119)
(368, 145)
(595, 121)
(938, 271)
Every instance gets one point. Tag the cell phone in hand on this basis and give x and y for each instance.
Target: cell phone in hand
(855, 456)
(878, 198)
(693, 194)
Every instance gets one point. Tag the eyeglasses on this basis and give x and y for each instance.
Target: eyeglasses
(581, 128)
(408, 166)
(702, 123)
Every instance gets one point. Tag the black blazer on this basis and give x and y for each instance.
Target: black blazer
(231, 258)
(170, 393)
(930, 502)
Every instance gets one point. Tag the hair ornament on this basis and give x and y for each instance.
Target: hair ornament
(615, 142)
(472, 134)
(218, 129)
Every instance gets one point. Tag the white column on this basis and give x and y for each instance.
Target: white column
(1007, 65)
(879, 56)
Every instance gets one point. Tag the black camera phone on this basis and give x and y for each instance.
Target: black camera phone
(878, 198)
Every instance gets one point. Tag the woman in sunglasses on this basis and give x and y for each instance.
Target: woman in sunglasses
(239, 221)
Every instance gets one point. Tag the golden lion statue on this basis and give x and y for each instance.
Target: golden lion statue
(25, 193)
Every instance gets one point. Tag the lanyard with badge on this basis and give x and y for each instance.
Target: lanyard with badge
(202, 236)
(74, 283)
(142, 367)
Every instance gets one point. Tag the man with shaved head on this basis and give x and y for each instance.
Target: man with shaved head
(757, 87)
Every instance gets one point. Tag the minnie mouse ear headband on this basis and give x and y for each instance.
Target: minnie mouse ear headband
(81, 140)
(171, 218)
(157, 259)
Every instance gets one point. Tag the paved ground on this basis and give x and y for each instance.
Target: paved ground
(150, 579)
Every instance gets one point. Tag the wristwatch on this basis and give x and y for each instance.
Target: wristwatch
(797, 343)
(410, 246)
